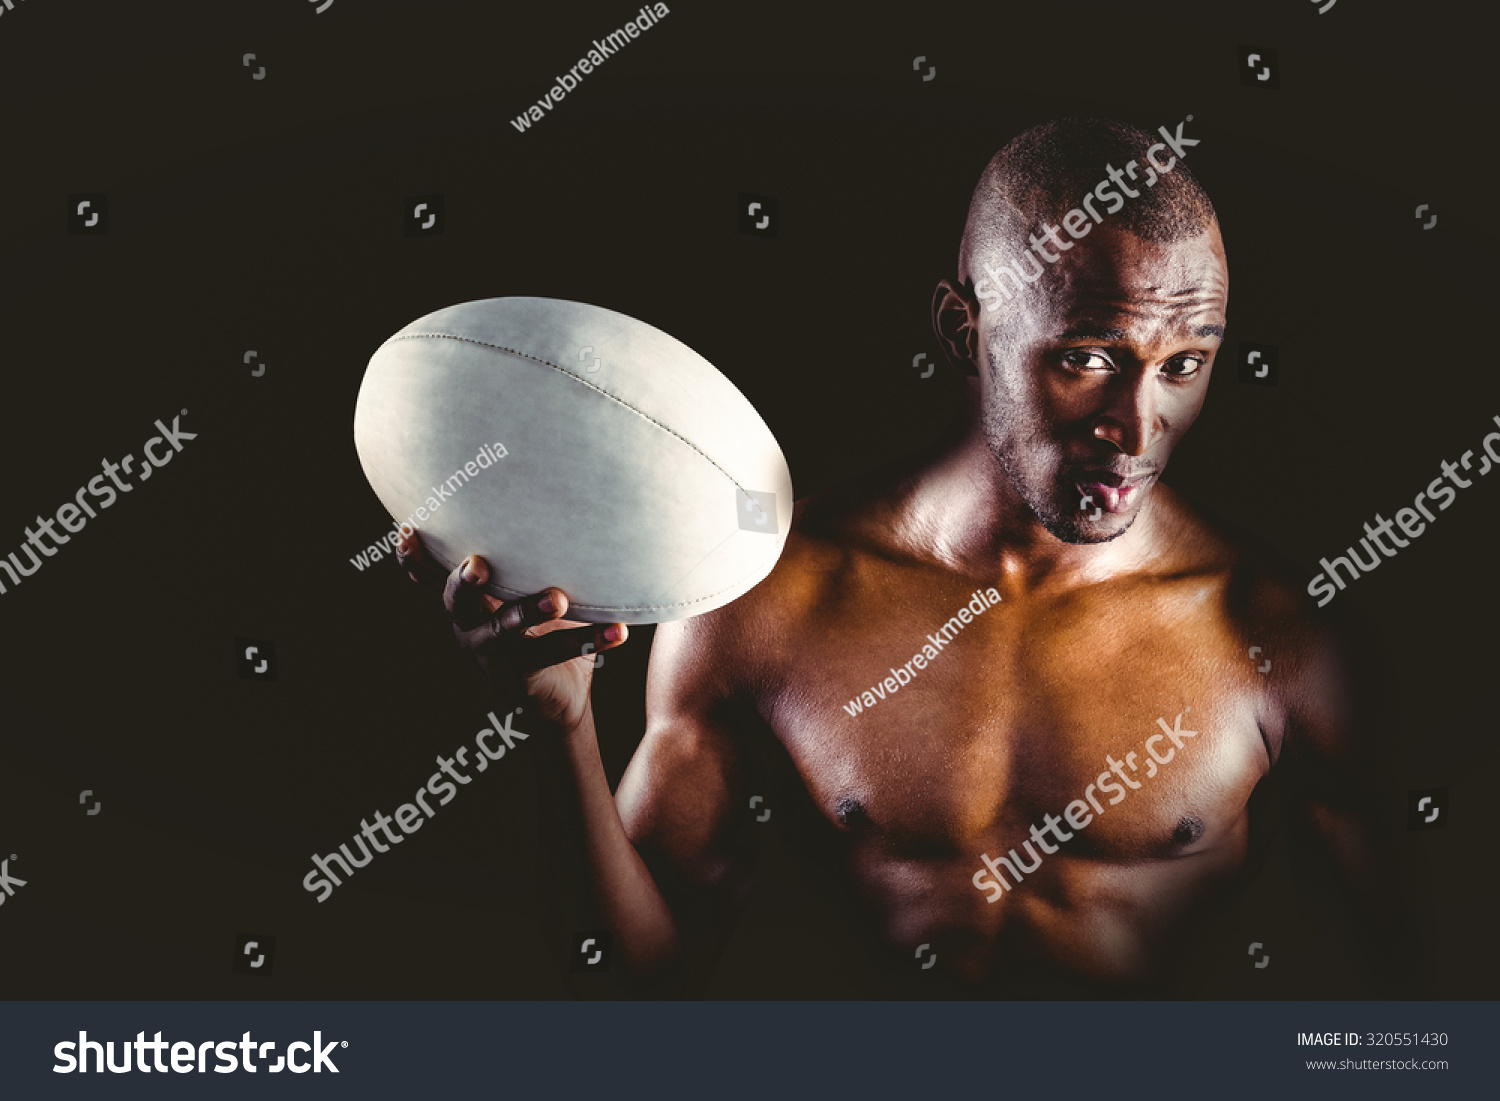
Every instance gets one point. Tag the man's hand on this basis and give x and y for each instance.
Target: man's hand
(523, 645)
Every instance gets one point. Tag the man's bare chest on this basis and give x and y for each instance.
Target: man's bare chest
(1133, 719)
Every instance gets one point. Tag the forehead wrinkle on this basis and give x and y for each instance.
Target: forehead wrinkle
(1095, 300)
(1145, 324)
(1199, 276)
(1105, 286)
(1091, 312)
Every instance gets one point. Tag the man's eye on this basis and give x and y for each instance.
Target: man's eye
(1183, 366)
(1088, 361)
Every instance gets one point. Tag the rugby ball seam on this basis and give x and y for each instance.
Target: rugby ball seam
(516, 593)
(583, 382)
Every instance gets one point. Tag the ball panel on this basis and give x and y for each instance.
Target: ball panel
(648, 370)
(612, 488)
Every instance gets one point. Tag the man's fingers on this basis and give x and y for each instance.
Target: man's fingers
(464, 595)
(418, 564)
(559, 646)
(516, 616)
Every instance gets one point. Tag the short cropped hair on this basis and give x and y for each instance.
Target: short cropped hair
(1046, 171)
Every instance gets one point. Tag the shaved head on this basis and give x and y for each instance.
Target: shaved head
(1048, 170)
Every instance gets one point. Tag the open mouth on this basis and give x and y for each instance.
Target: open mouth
(1112, 492)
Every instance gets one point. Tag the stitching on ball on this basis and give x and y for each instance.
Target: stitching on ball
(585, 382)
(625, 404)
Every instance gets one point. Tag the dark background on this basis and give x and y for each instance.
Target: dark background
(267, 215)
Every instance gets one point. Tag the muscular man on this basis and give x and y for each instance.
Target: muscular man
(1110, 614)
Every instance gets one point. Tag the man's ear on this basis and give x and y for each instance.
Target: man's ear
(955, 321)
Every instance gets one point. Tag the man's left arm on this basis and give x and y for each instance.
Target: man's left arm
(1335, 707)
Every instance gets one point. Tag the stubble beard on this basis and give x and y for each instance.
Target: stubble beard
(1073, 527)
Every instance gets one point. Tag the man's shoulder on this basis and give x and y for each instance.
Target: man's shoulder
(836, 537)
(1264, 596)
(1258, 578)
(1320, 666)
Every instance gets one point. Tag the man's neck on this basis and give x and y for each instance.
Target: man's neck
(964, 508)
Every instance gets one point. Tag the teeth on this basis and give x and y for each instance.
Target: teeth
(1111, 497)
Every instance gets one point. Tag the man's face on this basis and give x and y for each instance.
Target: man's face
(1093, 373)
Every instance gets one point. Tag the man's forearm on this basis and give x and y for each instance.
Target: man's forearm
(632, 903)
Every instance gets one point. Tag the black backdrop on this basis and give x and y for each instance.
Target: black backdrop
(267, 215)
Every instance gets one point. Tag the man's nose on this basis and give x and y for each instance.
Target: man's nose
(1130, 422)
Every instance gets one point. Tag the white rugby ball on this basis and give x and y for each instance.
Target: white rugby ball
(623, 467)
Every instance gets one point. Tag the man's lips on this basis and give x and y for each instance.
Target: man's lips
(1112, 492)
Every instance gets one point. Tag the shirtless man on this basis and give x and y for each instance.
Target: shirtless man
(1120, 605)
